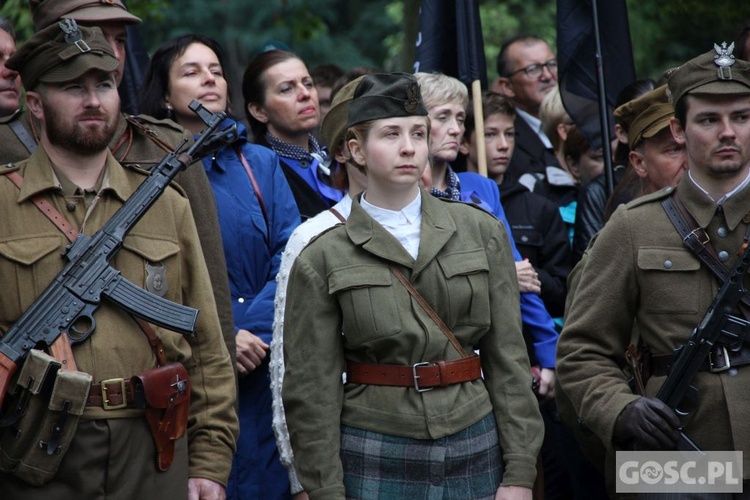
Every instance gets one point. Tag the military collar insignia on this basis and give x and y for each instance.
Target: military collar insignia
(412, 98)
(73, 34)
(724, 60)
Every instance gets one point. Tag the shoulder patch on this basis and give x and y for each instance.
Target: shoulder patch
(649, 198)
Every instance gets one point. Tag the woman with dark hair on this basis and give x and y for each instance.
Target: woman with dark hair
(257, 214)
(282, 108)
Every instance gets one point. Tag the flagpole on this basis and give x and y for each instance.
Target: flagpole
(476, 97)
(603, 111)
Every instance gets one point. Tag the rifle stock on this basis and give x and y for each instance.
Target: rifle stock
(69, 302)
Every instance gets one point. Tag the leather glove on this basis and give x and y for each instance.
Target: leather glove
(649, 423)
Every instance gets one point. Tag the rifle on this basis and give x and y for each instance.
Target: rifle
(68, 304)
(718, 328)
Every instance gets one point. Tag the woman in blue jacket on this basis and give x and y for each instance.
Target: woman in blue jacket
(257, 213)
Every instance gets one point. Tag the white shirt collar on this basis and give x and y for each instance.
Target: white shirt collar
(404, 224)
(726, 196)
(536, 125)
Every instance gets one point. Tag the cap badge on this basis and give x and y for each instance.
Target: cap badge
(724, 60)
(73, 34)
(412, 98)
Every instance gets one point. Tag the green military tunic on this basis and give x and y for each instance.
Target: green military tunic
(637, 272)
(341, 283)
(30, 249)
(144, 141)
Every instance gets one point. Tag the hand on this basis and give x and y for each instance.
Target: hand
(528, 279)
(650, 423)
(546, 389)
(302, 495)
(205, 489)
(513, 493)
(251, 351)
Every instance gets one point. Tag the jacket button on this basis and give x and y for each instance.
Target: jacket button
(241, 300)
(70, 206)
(668, 264)
(723, 256)
(722, 232)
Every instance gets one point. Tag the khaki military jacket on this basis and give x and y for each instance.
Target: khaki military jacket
(30, 257)
(637, 272)
(341, 283)
(140, 145)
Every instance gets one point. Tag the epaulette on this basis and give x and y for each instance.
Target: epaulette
(649, 198)
(476, 206)
(166, 134)
(147, 120)
(326, 230)
(8, 167)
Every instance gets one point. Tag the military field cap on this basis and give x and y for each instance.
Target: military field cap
(386, 95)
(47, 12)
(61, 53)
(645, 116)
(333, 128)
(715, 72)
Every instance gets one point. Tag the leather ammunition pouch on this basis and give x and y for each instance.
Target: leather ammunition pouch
(41, 417)
(166, 391)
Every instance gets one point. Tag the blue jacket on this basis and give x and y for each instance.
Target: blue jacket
(252, 248)
(536, 320)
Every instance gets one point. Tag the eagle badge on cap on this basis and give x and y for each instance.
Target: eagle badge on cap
(412, 98)
(724, 60)
(73, 34)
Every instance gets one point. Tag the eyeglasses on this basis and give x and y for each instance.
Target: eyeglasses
(535, 70)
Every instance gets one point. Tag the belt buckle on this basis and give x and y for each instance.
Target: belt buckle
(697, 233)
(717, 369)
(416, 377)
(105, 401)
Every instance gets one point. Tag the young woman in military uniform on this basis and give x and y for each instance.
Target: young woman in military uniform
(417, 416)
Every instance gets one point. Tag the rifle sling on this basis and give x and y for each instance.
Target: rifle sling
(62, 224)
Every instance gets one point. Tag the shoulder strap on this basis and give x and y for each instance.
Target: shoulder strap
(23, 135)
(338, 215)
(148, 132)
(59, 221)
(256, 188)
(429, 310)
(696, 239)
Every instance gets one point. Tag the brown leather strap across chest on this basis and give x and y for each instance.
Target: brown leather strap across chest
(421, 376)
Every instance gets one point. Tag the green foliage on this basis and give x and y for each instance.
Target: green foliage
(17, 12)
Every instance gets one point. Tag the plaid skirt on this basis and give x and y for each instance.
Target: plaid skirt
(465, 465)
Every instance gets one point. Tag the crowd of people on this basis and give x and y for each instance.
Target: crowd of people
(377, 319)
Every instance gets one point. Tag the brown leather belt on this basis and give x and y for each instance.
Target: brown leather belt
(114, 394)
(422, 376)
(719, 359)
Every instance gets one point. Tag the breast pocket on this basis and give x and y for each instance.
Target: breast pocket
(368, 304)
(152, 263)
(467, 287)
(670, 280)
(28, 265)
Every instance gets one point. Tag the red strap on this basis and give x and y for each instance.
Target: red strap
(256, 188)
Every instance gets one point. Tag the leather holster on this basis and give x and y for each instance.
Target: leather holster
(166, 391)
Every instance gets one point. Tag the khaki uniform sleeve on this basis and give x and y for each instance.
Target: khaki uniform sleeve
(312, 389)
(212, 427)
(505, 365)
(598, 327)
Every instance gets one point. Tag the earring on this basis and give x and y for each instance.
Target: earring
(170, 111)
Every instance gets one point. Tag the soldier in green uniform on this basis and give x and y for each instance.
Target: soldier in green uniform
(71, 93)
(638, 272)
(138, 140)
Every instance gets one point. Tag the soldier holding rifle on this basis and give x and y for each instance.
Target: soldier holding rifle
(73, 185)
(657, 266)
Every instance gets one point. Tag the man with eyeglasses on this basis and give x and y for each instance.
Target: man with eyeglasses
(527, 71)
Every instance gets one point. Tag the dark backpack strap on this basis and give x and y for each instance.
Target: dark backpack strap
(23, 135)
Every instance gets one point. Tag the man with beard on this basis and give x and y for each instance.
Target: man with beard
(527, 71)
(638, 271)
(71, 91)
(138, 140)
